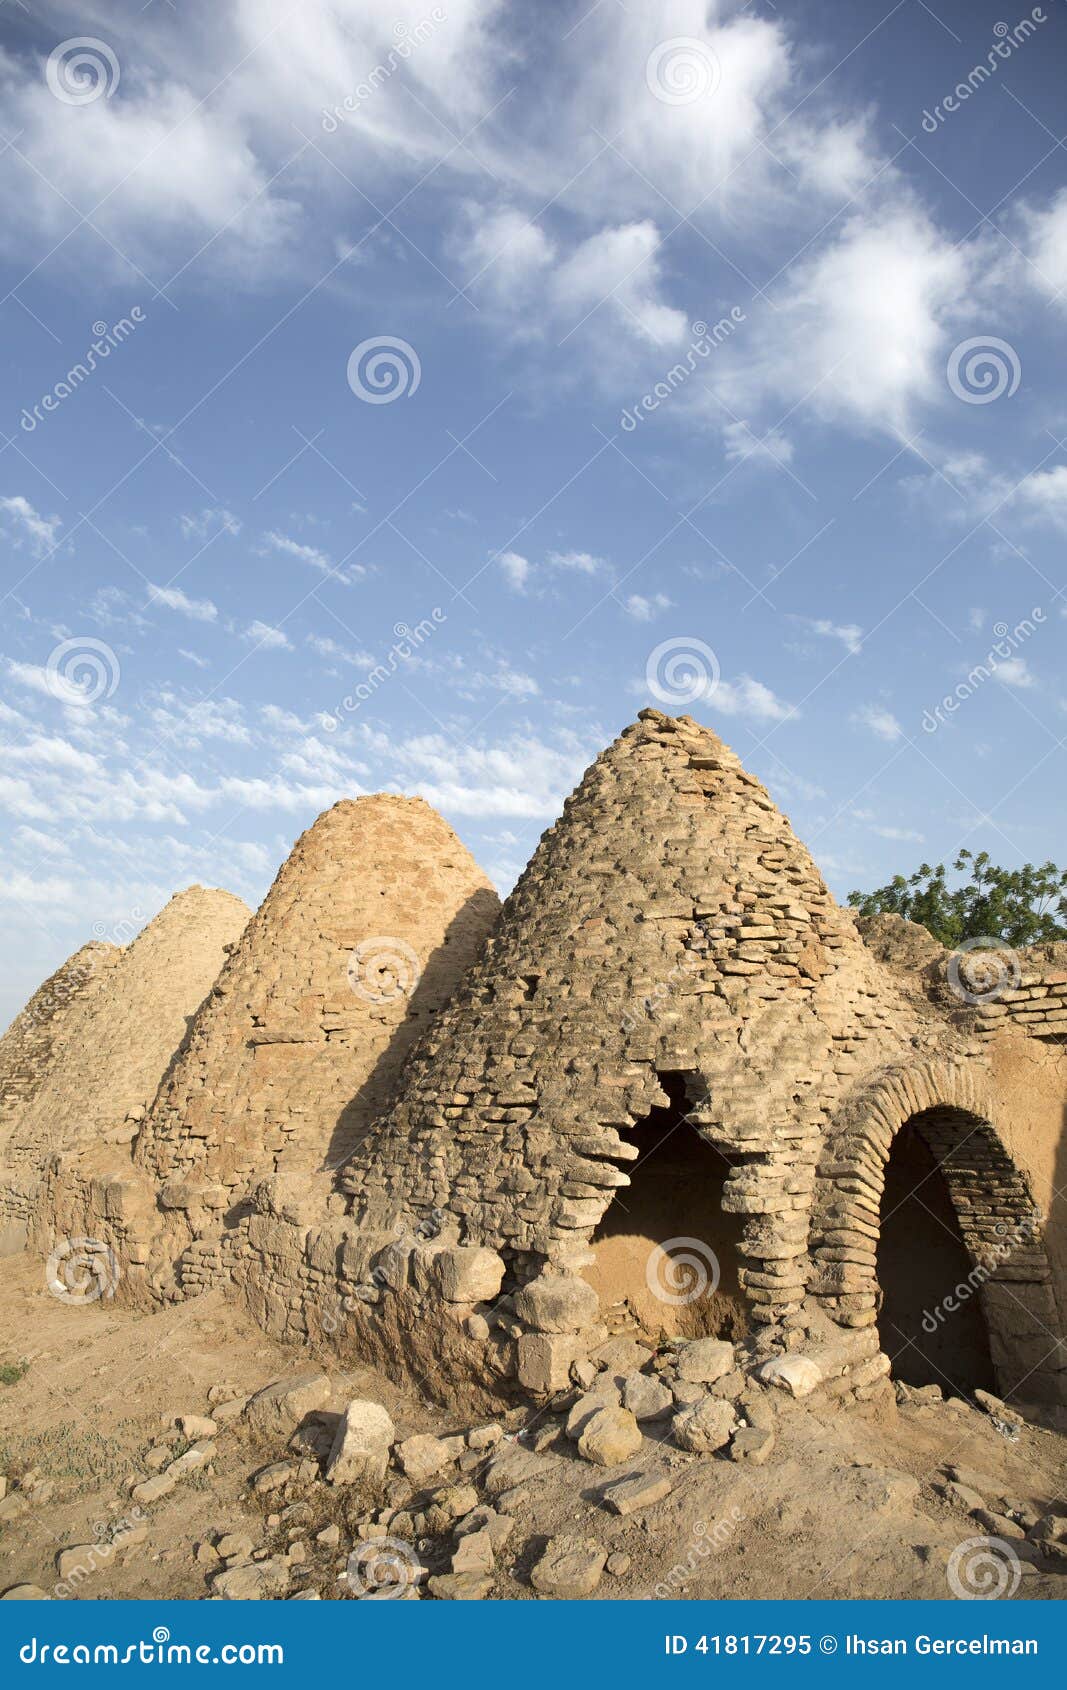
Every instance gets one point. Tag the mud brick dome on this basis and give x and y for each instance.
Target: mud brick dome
(29, 1048)
(371, 921)
(110, 1041)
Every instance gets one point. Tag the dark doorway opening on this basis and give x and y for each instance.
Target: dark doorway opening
(930, 1322)
(666, 1253)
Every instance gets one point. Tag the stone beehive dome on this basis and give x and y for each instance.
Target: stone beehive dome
(372, 918)
(120, 1032)
(28, 1050)
(670, 964)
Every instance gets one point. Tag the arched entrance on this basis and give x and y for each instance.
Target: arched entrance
(930, 1322)
(924, 1224)
(666, 1252)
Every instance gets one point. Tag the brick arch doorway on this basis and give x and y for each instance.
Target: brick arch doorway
(963, 1296)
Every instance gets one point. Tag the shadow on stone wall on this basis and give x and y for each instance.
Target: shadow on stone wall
(436, 986)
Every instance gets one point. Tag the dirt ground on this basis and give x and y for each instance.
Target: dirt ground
(847, 1505)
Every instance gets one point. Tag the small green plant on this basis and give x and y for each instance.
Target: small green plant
(12, 1371)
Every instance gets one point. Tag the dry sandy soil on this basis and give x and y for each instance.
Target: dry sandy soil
(847, 1505)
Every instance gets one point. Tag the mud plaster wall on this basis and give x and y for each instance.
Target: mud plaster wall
(1028, 1089)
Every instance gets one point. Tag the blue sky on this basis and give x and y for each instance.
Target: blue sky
(729, 379)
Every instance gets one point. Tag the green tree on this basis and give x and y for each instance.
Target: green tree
(1024, 906)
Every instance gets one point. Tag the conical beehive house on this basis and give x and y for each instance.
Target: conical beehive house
(372, 919)
(120, 1035)
(650, 1051)
(28, 1051)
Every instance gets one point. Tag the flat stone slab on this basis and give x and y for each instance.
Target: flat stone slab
(639, 1488)
(514, 1466)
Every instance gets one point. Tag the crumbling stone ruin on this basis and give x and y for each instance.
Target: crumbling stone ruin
(673, 1093)
(81, 1063)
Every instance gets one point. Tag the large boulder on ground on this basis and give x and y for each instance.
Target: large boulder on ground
(610, 1436)
(705, 1360)
(798, 1375)
(361, 1445)
(706, 1427)
(276, 1410)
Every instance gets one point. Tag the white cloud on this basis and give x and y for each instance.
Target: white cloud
(849, 634)
(748, 697)
(261, 634)
(643, 609)
(213, 519)
(326, 647)
(744, 444)
(882, 723)
(1045, 243)
(1014, 672)
(860, 333)
(620, 268)
(25, 525)
(192, 657)
(516, 569)
(581, 563)
(198, 610)
(905, 834)
(293, 548)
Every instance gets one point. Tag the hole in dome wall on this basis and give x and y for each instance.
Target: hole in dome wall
(922, 1261)
(688, 1286)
